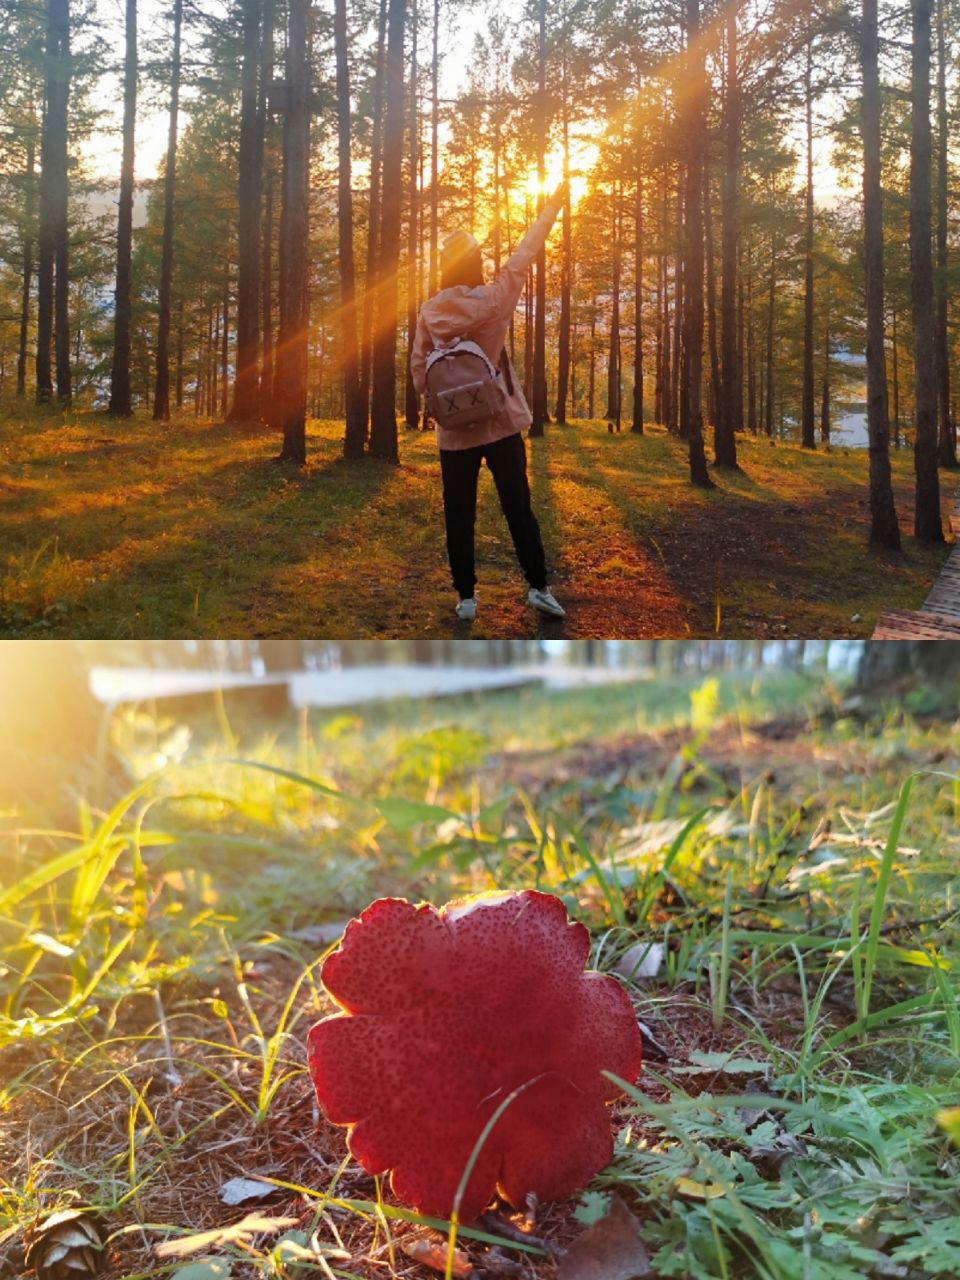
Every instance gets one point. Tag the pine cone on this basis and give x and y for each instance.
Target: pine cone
(65, 1246)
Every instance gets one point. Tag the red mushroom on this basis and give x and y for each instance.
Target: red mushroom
(446, 1014)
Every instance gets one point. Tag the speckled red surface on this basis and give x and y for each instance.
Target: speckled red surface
(446, 1013)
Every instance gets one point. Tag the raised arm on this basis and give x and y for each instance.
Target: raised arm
(508, 286)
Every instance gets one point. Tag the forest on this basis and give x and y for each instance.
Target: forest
(233, 211)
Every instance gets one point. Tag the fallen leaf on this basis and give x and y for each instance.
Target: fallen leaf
(240, 1190)
(609, 1250)
(689, 1189)
(235, 1232)
(642, 960)
(432, 1252)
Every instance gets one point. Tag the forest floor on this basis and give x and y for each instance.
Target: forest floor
(126, 530)
(793, 1120)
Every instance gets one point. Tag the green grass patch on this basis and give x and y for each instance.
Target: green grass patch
(129, 530)
(796, 865)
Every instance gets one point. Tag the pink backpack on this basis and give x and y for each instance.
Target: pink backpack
(463, 387)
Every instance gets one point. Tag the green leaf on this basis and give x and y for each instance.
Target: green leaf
(404, 814)
(204, 1269)
(592, 1207)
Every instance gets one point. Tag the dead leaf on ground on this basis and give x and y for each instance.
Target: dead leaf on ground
(609, 1250)
(431, 1251)
(235, 1232)
(239, 1190)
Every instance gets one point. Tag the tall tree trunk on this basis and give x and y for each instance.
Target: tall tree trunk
(53, 322)
(725, 440)
(928, 525)
(434, 153)
(566, 263)
(178, 373)
(354, 408)
(265, 397)
(947, 436)
(691, 425)
(225, 345)
(290, 382)
(592, 381)
(895, 351)
(29, 213)
(825, 397)
(807, 435)
(768, 387)
(246, 386)
(884, 528)
(120, 405)
(161, 394)
(613, 355)
(383, 418)
(412, 400)
(752, 424)
(636, 426)
(538, 405)
(373, 221)
(713, 382)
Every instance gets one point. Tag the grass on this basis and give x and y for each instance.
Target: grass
(125, 530)
(158, 970)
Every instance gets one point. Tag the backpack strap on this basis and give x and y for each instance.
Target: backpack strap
(505, 369)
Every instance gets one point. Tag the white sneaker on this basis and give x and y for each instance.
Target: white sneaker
(544, 601)
(467, 609)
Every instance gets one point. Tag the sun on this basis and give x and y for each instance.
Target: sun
(583, 156)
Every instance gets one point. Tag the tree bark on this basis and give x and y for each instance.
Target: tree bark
(373, 222)
(265, 397)
(355, 411)
(53, 282)
(884, 528)
(538, 405)
(434, 152)
(928, 525)
(412, 400)
(566, 262)
(161, 394)
(383, 418)
(246, 385)
(636, 426)
(120, 405)
(910, 662)
(947, 432)
(807, 435)
(290, 360)
(613, 354)
(691, 424)
(725, 440)
(29, 213)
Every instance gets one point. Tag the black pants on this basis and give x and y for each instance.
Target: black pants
(507, 460)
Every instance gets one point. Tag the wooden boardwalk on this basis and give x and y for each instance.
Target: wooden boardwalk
(938, 618)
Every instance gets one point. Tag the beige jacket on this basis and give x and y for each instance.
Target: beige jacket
(483, 315)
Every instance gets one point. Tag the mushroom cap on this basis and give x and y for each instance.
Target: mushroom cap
(446, 1013)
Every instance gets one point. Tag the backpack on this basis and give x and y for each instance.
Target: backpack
(463, 387)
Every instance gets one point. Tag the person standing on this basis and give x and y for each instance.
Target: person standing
(467, 308)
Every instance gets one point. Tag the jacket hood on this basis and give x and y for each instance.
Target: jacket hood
(453, 313)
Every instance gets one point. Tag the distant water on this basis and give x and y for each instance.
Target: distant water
(849, 430)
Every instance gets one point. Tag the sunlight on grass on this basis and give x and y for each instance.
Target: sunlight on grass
(158, 968)
(195, 532)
